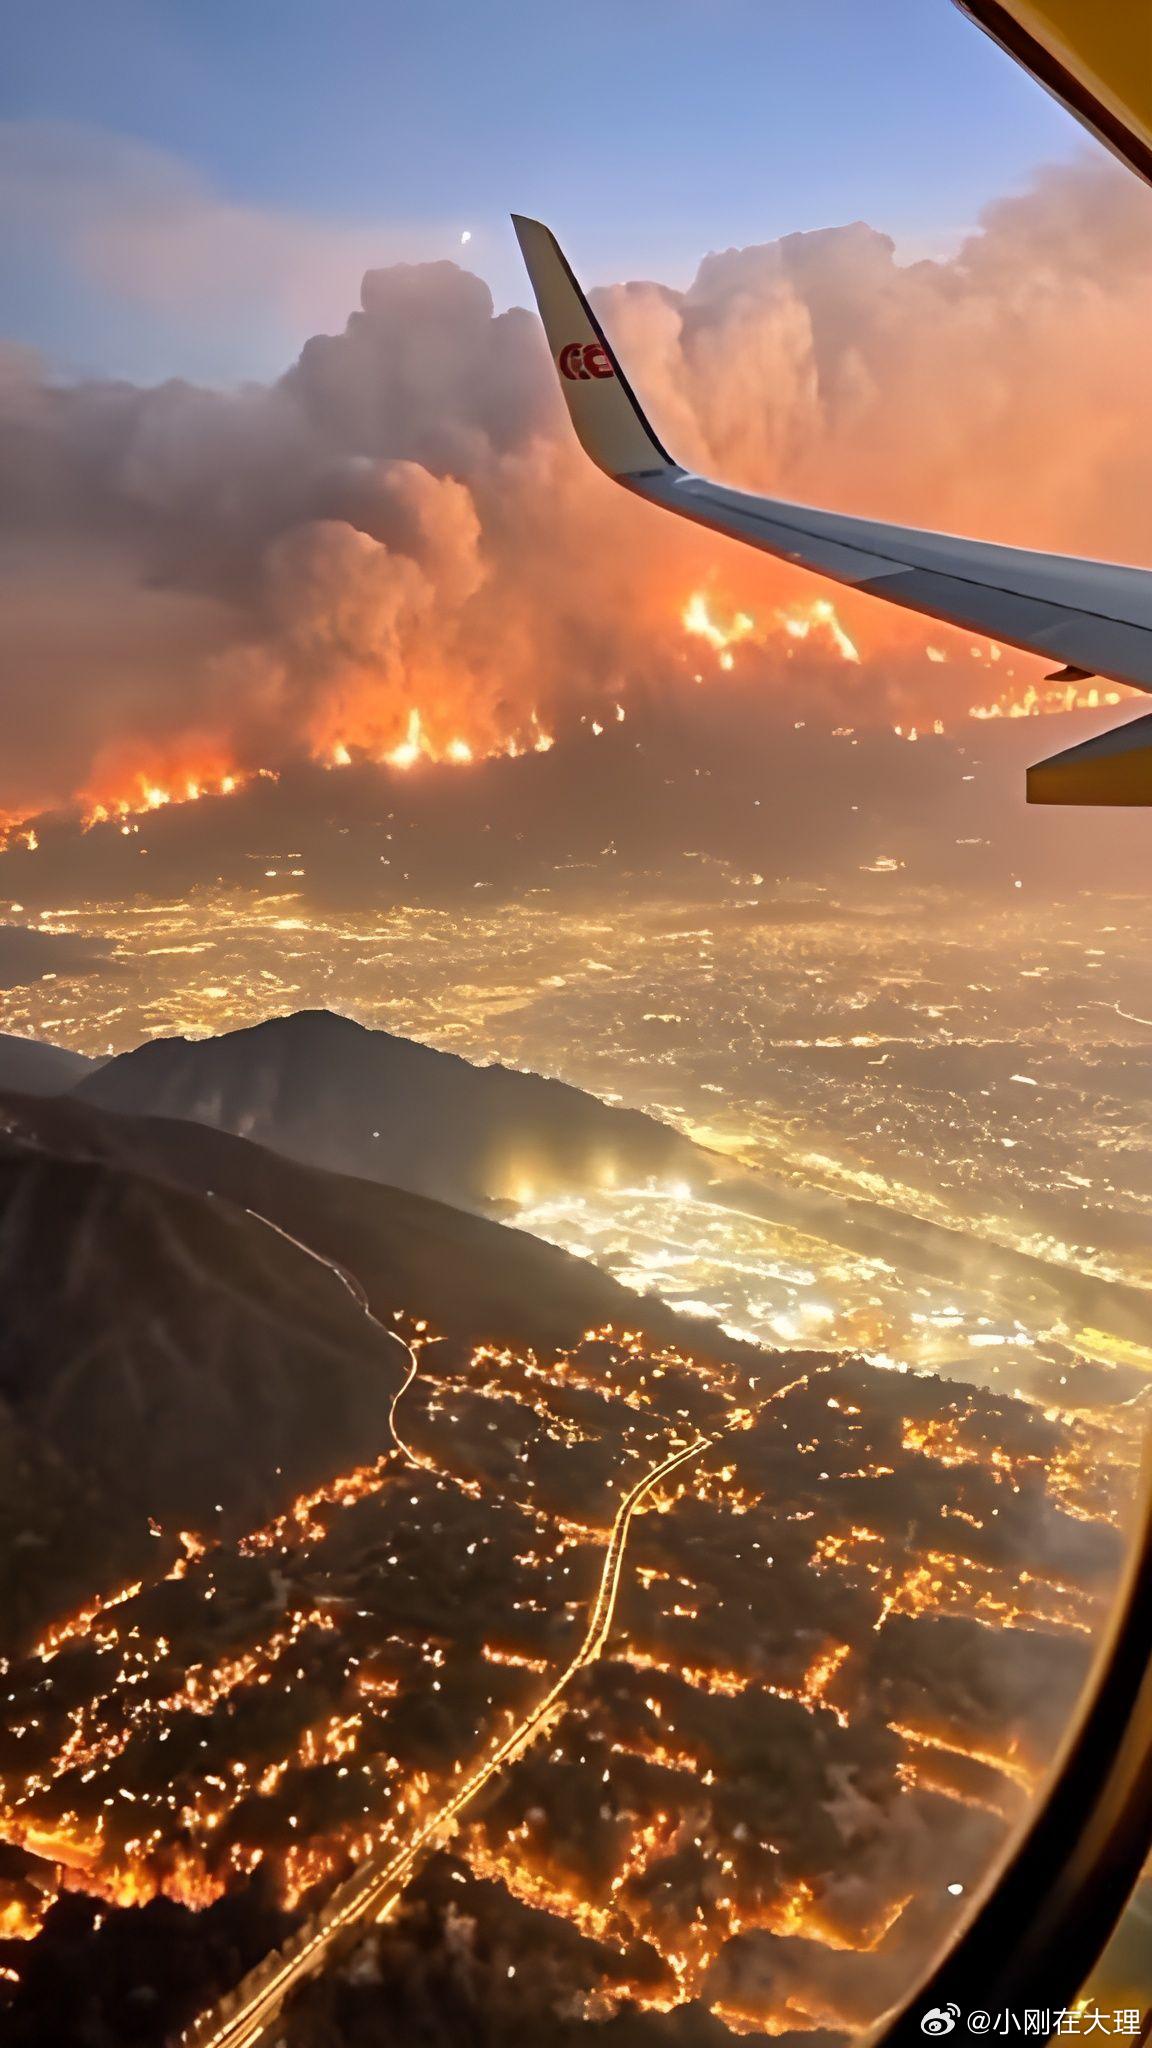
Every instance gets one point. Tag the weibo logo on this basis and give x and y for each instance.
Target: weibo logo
(584, 359)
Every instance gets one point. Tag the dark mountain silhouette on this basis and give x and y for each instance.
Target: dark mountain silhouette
(327, 1091)
(473, 1277)
(165, 1352)
(161, 1354)
(34, 1068)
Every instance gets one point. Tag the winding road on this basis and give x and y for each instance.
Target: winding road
(369, 1896)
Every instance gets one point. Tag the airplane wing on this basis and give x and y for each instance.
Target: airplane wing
(1092, 618)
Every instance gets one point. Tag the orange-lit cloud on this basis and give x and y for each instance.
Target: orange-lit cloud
(398, 554)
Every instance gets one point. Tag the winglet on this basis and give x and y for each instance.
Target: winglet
(603, 406)
(1113, 768)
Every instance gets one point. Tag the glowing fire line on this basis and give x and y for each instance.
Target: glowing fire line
(798, 622)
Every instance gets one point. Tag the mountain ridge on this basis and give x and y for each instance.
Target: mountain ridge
(331, 1092)
(33, 1066)
(183, 1331)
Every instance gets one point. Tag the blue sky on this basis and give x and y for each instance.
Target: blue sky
(301, 142)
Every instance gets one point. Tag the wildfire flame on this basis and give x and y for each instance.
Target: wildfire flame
(132, 785)
(797, 621)
(127, 793)
(1034, 703)
(411, 746)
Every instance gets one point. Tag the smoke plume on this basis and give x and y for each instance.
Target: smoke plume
(397, 550)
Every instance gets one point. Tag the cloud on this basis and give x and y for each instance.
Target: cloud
(397, 545)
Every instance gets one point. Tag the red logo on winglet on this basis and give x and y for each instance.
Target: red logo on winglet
(585, 359)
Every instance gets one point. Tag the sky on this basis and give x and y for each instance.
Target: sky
(298, 145)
